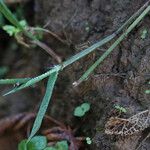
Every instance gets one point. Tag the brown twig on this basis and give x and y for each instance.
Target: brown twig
(49, 32)
(48, 50)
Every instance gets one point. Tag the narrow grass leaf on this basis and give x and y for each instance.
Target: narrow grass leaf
(62, 145)
(7, 13)
(44, 105)
(37, 143)
(114, 45)
(88, 50)
(14, 81)
(34, 80)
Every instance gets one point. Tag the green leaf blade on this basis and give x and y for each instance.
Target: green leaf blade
(32, 81)
(63, 145)
(22, 145)
(50, 148)
(81, 110)
(37, 143)
(7, 13)
(85, 107)
(44, 105)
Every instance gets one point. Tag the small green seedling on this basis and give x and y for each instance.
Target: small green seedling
(87, 27)
(144, 33)
(22, 145)
(147, 92)
(36, 143)
(120, 109)
(49, 148)
(12, 30)
(81, 110)
(40, 143)
(88, 140)
(63, 145)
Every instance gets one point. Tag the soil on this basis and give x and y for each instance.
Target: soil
(121, 79)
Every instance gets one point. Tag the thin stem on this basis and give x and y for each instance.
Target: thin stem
(14, 81)
(48, 50)
(50, 32)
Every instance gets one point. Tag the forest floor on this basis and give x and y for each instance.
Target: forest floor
(120, 80)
